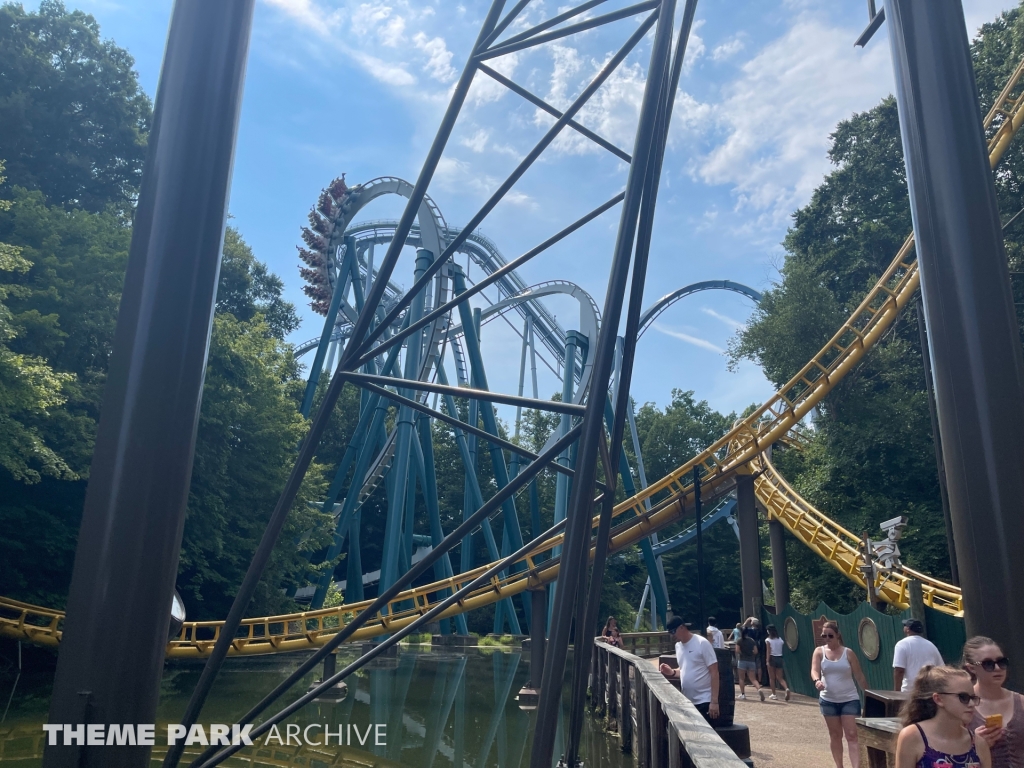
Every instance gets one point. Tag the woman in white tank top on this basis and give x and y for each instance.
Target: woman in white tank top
(833, 670)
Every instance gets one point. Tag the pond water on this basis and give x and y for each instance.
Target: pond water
(430, 708)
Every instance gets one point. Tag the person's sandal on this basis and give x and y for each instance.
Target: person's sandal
(760, 692)
(787, 694)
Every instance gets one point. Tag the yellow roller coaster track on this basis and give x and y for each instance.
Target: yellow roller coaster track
(737, 452)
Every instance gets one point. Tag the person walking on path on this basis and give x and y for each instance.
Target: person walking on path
(935, 718)
(776, 672)
(698, 669)
(833, 670)
(999, 717)
(911, 654)
(737, 633)
(746, 663)
(714, 634)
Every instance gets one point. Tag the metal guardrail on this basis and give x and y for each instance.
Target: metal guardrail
(654, 720)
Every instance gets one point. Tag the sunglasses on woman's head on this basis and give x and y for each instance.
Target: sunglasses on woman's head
(989, 665)
(965, 698)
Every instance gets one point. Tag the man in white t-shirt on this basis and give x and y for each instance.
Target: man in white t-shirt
(714, 634)
(698, 669)
(911, 654)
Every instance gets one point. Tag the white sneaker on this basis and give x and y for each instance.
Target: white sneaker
(773, 697)
(743, 697)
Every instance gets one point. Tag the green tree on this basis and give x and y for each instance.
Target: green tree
(249, 426)
(247, 287)
(29, 390)
(75, 119)
(871, 457)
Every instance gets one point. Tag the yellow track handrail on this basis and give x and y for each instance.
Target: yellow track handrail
(728, 456)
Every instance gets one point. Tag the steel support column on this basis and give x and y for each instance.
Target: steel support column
(780, 571)
(398, 521)
(750, 555)
(929, 382)
(974, 340)
(578, 528)
(128, 544)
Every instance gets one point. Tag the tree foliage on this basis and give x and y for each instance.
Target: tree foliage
(29, 389)
(872, 456)
(249, 426)
(74, 118)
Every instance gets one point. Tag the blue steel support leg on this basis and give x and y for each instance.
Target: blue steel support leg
(514, 463)
(658, 585)
(562, 487)
(340, 289)
(468, 504)
(474, 497)
(460, 724)
(403, 679)
(512, 532)
(354, 575)
(452, 687)
(380, 701)
(665, 605)
(502, 689)
(404, 427)
(370, 420)
(443, 567)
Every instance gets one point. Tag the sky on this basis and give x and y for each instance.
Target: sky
(345, 86)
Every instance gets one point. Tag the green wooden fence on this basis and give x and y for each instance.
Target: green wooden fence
(947, 632)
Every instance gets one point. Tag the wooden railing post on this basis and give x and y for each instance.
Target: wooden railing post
(654, 721)
(625, 709)
(642, 722)
(612, 712)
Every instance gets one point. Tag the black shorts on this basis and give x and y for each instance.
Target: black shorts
(776, 661)
(703, 709)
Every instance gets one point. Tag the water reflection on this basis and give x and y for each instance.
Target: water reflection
(434, 709)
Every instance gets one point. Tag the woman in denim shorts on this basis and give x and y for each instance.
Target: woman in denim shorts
(746, 663)
(833, 670)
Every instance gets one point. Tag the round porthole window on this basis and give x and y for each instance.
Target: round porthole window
(791, 633)
(867, 634)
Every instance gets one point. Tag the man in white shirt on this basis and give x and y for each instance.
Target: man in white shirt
(714, 634)
(911, 654)
(698, 669)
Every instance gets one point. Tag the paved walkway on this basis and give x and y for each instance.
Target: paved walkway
(784, 733)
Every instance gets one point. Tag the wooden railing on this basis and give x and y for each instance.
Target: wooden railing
(647, 644)
(653, 719)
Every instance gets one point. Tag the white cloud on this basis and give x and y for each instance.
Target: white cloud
(308, 14)
(777, 116)
(727, 49)
(694, 340)
(386, 72)
(392, 34)
(439, 58)
(477, 142)
(612, 112)
(361, 30)
(694, 46)
(736, 325)
(455, 175)
(367, 18)
(485, 89)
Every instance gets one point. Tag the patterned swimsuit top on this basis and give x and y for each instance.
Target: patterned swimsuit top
(932, 758)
